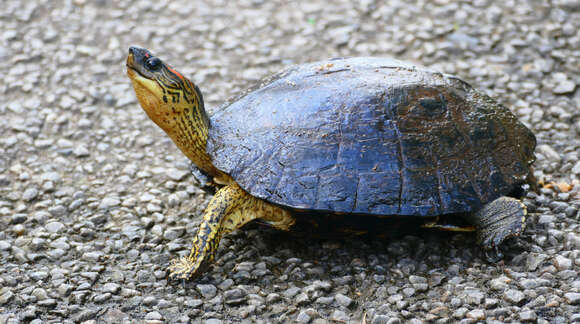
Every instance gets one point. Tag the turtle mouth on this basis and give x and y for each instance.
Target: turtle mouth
(147, 88)
(137, 62)
(133, 73)
(133, 69)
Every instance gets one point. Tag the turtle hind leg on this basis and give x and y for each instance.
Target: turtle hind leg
(497, 221)
(229, 209)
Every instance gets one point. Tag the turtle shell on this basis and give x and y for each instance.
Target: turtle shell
(370, 136)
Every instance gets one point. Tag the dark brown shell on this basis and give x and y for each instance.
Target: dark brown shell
(371, 136)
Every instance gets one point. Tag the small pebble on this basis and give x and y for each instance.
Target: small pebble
(572, 298)
(514, 296)
(343, 300)
(207, 291)
(339, 316)
(476, 314)
(528, 316)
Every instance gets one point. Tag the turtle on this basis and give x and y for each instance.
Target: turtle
(350, 138)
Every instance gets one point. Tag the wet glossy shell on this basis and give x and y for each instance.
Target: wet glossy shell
(370, 136)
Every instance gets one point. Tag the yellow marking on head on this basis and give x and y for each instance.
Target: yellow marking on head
(149, 94)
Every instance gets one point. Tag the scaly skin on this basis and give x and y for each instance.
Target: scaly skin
(497, 221)
(175, 104)
(230, 209)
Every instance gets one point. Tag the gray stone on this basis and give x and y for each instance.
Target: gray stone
(150, 300)
(550, 154)
(234, 296)
(6, 297)
(409, 292)
(562, 263)
(476, 314)
(173, 233)
(417, 279)
(154, 315)
(5, 246)
(474, 297)
(91, 275)
(291, 292)
(303, 317)
(29, 313)
(30, 194)
(528, 316)
(207, 291)
(565, 87)
(273, 298)
(51, 176)
(111, 287)
(324, 300)
(576, 168)
(491, 303)
(101, 298)
(81, 150)
(57, 211)
(49, 302)
(460, 312)
(343, 300)
(213, 321)
(55, 227)
(514, 296)
(92, 256)
(301, 299)
(38, 275)
(380, 319)
(64, 289)
(530, 283)
(499, 283)
(84, 315)
(533, 260)
(109, 202)
(572, 298)
(226, 284)
(177, 175)
(339, 316)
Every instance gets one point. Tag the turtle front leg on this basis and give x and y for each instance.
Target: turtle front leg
(497, 221)
(229, 209)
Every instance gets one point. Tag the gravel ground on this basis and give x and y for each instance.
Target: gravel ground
(95, 200)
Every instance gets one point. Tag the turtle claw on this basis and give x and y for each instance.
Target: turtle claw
(181, 268)
(493, 254)
(185, 268)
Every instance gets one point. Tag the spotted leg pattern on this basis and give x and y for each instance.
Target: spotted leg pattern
(229, 209)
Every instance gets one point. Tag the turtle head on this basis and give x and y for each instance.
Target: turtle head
(162, 91)
(173, 102)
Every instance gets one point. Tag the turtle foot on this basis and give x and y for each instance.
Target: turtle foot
(498, 221)
(186, 268)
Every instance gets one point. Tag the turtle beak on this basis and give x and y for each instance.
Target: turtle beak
(137, 56)
(136, 62)
(130, 59)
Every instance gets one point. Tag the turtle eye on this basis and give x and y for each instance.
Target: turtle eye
(153, 64)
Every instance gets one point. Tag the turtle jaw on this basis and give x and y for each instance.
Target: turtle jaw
(147, 90)
(149, 95)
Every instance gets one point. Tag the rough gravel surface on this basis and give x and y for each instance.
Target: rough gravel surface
(95, 200)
